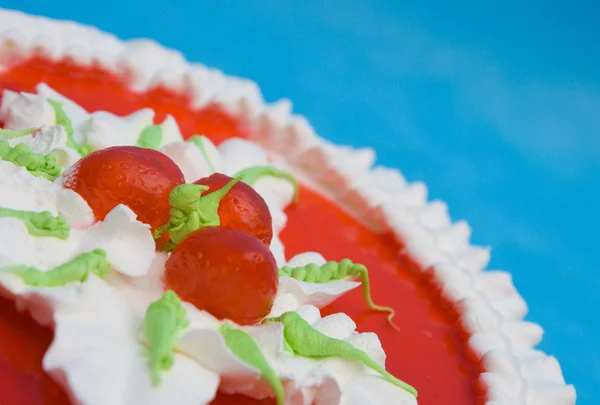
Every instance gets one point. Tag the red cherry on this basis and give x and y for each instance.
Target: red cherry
(226, 272)
(241, 208)
(137, 177)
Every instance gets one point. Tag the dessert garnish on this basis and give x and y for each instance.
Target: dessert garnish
(200, 141)
(15, 133)
(306, 341)
(164, 320)
(40, 223)
(222, 239)
(246, 349)
(227, 272)
(150, 137)
(252, 174)
(140, 178)
(63, 119)
(37, 164)
(191, 210)
(330, 271)
(75, 270)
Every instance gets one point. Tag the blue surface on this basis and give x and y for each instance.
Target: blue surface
(495, 107)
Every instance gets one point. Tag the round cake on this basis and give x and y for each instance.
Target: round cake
(170, 238)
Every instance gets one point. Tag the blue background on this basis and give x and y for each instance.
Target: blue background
(495, 106)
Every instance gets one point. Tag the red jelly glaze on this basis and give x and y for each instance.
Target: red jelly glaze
(140, 178)
(429, 351)
(241, 208)
(97, 89)
(227, 272)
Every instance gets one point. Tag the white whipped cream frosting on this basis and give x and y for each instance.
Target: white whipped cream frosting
(96, 353)
(492, 311)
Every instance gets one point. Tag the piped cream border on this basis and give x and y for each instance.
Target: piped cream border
(491, 309)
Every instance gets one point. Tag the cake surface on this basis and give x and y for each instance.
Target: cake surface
(404, 230)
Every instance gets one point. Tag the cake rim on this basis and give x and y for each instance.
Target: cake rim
(490, 308)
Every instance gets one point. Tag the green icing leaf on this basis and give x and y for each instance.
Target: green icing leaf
(76, 270)
(40, 223)
(37, 164)
(331, 271)
(164, 321)
(191, 211)
(63, 119)
(287, 348)
(251, 174)
(306, 341)
(199, 142)
(8, 133)
(244, 347)
(151, 137)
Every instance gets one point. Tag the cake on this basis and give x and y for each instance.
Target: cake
(96, 308)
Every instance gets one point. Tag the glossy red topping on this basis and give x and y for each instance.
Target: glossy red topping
(97, 89)
(137, 177)
(226, 272)
(429, 351)
(241, 208)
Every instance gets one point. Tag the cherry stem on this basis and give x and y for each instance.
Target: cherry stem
(190, 211)
(252, 174)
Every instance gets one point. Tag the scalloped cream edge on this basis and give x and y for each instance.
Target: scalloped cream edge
(490, 308)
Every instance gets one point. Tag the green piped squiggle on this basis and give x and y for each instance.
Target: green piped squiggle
(191, 211)
(244, 347)
(37, 164)
(150, 137)
(164, 321)
(15, 133)
(40, 223)
(63, 119)
(199, 140)
(306, 341)
(76, 270)
(330, 271)
(251, 174)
